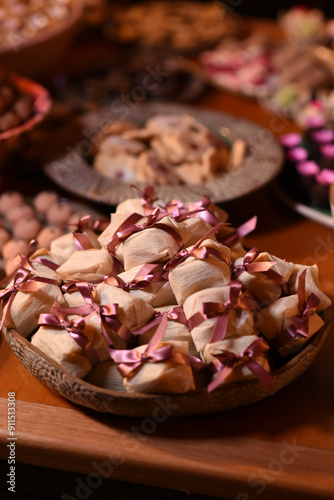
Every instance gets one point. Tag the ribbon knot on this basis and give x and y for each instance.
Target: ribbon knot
(226, 361)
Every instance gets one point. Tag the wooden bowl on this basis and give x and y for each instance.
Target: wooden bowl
(197, 402)
(40, 54)
(41, 106)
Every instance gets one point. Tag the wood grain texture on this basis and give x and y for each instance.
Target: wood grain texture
(287, 471)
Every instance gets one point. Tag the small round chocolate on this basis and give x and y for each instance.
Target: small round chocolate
(44, 200)
(19, 212)
(4, 237)
(47, 235)
(13, 247)
(27, 229)
(9, 200)
(59, 213)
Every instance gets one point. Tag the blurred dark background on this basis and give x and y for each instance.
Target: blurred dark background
(270, 8)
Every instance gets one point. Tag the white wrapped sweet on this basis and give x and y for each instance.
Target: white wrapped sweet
(263, 275)
(28, 296)
(157, 243)
(157, 293)
(237, 321)
(172, 375)
(196, 272)
(132, 312)
(176, 329)
(57, 343)
(275, 319)
(234, 359)
(312, 284)
(87, 265)
(64, 246)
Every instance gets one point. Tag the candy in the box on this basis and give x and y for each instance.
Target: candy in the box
(149, 242)
(173, 375)
(235, 358)
(205, 266)
(132, 312)
(26, 297)
(64, 246)
(220, 312)
(89, 265)
(57, 343)
(312, 284)
(157, 291)
(263, 275)
(176, 328)
(285, 314)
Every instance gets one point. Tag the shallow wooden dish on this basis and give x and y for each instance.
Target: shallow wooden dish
(73, 172)
(40, 54)
(41, 105)
(144, 405)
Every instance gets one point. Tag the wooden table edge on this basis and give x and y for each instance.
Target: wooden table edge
(145, 463)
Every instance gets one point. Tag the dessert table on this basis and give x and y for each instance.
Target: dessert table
(280, 447)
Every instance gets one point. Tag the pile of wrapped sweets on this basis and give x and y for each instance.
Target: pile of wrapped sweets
(165, 300)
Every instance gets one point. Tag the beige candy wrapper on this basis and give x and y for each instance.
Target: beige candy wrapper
(106, 375)
(132, 311)
(87, 265)
(175, 331)
(276, 317)
(151, 244)
(198, 228)
(63, 247)
(24, 310)
(240, 321)
(236, 345)
(162, 376)
(311, 284)
(193, 275)
(38, 267)
(263, 288)
(157, 294)
(57, 343)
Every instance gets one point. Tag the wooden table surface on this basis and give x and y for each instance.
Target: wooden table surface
(281, 447)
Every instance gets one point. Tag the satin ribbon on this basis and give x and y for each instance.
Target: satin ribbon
(22, 284)
(147, 197)
(129, 360)
(143, 279)
(26, 262)
(75, 329)
(299, 323)
(130, 227)
(226, 361)
(250, 266)
(222, 311)
(107, 314)
(174, 314)
(240, 232)
(197, 251)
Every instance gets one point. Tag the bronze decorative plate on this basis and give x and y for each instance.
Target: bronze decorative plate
(70, 167)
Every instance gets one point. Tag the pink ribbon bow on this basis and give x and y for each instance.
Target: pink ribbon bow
(130, 226)
(143, 279)
(107, 314)
(75, 329)
(299, 323)
(22, 284)
(250, 266)
(197, 251)
(222, 311)
(240, 232)
(226, 361)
